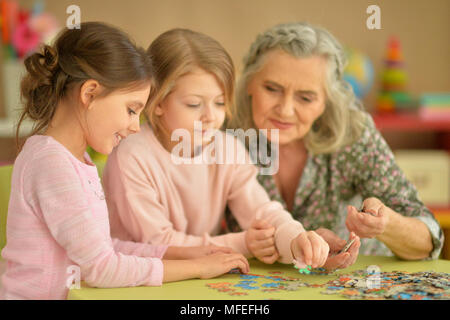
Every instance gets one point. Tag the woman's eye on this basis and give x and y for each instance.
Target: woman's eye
(131, 111)
(306, 99)
(269, 88)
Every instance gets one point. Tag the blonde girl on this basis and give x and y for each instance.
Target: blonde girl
(160, 195)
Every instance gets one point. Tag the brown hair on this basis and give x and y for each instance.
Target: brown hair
(177, 52)
(95, 51)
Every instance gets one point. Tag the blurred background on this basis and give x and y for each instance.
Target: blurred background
(401, 71)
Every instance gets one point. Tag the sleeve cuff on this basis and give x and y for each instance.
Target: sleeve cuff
(283, 237)
(152, 251)
(437, 236)
(157, 272)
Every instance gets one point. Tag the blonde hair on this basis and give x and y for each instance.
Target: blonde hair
(179, 51)
(343, 119)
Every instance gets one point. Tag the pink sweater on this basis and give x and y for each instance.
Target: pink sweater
(152, 199)
(57, 218)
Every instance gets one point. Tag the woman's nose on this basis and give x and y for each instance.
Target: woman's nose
(287, 106)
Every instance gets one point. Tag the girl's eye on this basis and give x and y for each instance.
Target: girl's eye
(131, 112)
(220, 104)
(191, 105)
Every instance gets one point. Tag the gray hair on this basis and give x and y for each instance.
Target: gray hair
(343, 119)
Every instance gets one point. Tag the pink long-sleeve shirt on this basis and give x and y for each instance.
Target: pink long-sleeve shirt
(58, 218)
(152, 199)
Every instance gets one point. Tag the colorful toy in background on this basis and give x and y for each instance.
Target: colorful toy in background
(393, 94)
(23, 30)
(358, 72)
(435, 106)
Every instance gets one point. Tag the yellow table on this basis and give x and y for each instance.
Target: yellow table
(198, 289)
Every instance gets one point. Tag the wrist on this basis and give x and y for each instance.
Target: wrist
(197, 268)
(391, 221)
(173, 253)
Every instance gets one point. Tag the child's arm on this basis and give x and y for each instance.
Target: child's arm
(179, 253)
(133, 199)
(205, 267)
(53, 189)
(248, 201)
(139, 249)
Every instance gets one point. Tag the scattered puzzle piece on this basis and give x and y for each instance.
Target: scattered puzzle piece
(395, 285)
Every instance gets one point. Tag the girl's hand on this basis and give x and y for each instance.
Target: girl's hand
(260, 241)
(216, 264)
(201, 251)
(184, 253)
(310, 248)
(335, 259)
(369, 223)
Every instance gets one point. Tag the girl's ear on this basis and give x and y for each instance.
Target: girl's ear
(89, 89)
(159, 110)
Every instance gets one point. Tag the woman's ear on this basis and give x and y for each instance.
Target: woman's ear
(88, 91)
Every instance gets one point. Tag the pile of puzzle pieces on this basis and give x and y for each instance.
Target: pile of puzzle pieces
(395, 285)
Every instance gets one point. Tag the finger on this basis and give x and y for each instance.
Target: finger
(351, 217)
(271, 259)
(344, 260)
(264, 241)
(374, 206)
(316, 243)
(334, 262)
(265, 252)
(265, 233)
(261, 224)
(365, 230)
(334, 241)
(368, 220)
(240, 261)
(325, 253)
(233, 264)
(306, 250)
(354, 250)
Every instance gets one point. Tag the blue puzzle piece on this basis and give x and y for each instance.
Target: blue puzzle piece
(270, 285)
(246, 276)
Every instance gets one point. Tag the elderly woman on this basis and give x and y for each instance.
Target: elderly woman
(330, 153)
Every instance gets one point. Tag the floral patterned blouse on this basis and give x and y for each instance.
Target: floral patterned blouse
(365, 169)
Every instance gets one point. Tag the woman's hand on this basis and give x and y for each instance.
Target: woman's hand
(369, 223)
(181, 253)
(335, 259)
(216, 264)
(310, 248)
(260, 241)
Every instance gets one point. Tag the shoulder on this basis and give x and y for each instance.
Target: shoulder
(369, 140)
(44, 152)
(136, 143)
(136, 148)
